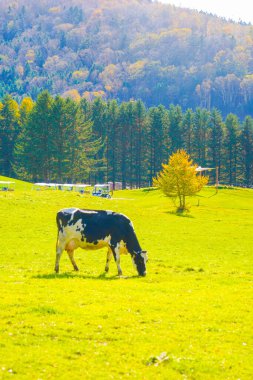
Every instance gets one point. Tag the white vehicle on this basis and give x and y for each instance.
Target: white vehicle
(102, 190)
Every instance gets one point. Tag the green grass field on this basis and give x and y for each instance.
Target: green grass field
(191, 317)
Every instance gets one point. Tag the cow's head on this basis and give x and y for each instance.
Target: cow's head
(139, 261)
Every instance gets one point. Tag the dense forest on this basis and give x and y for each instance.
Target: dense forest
(62, 140)
(126, 50)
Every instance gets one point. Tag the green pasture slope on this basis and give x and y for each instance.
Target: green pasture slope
(191, 317)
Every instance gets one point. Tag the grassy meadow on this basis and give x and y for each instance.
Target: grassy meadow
(191, 317)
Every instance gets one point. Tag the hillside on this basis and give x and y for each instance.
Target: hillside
(125, 49)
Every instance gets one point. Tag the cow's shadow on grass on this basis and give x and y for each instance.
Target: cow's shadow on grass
(103, 276)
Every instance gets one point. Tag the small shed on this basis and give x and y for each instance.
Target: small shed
(117, 185)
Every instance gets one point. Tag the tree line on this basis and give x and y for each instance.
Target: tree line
(61, 140)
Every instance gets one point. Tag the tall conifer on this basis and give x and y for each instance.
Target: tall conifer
(247, 150)
(232, 148)
(9, 130)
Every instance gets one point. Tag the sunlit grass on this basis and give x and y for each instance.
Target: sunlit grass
(191, 317)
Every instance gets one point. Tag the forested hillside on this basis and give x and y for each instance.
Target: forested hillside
(125, 49)
(62, 140)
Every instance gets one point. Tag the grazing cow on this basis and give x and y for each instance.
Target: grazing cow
(94, 229)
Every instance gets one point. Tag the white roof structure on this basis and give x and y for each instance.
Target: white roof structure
(46, 184)
(81, 185)
(73, 185)
(200, 169)
(62, 185)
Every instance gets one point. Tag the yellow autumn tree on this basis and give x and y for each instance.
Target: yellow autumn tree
(25, 109)
(179, 179)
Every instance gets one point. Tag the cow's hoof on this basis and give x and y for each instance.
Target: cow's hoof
(76, 269)
(121, 276)
(106, 269)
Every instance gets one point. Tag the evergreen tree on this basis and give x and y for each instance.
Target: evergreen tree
(34, 148)
(216, 140)
(113, 141)
(9, 130)
(175, 129)
(247, 150)
(231, 147)
(86, 108)
(81, 146)
(99, 127)
(62, 129)
(158, 139)
(131, 134)
(201, 132)
(187, 131)
(140, 132)
(166, 143)
(98, 114)
(125, 120)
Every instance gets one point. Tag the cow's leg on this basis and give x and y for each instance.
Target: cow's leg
(108, 259)
(116, 256)
(59, 251)
(71, 257)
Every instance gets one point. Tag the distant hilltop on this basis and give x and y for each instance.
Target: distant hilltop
(126, 50)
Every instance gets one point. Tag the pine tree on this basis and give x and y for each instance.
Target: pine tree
(82, 147)
(140, 125)
(247, 150)
(158, 123)
(201, 134)
(99, 128)
(34, 147)
(124, 121)
(131, 123)
(86, 108)
(187, 131)
(232, 147)
(175, 129)
(61, 131)
(113, 141)
(9, 130)
(216, 140)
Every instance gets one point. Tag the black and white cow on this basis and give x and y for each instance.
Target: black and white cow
(94, 229)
